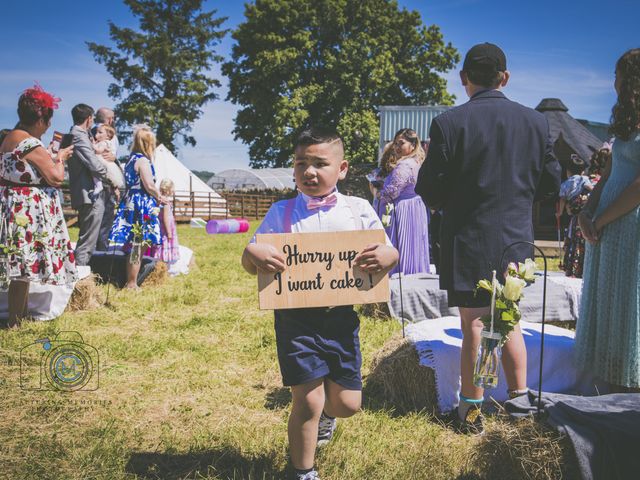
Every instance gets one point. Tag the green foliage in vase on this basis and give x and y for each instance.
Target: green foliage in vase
(507, 313)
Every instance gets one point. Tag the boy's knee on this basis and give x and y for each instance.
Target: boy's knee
(351, 408)
(345, 405)
(310, 403)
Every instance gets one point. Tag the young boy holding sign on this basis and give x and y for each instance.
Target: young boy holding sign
(318, 348)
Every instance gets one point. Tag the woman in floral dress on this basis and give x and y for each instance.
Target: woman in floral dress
(139, 208)
(33, 234)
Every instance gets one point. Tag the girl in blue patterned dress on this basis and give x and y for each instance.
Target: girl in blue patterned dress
(608, 329)
(140, 204)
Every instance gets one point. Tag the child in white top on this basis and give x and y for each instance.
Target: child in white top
(103, 143)
(318, 348)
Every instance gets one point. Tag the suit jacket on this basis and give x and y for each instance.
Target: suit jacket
(488, 160)
(84, 165)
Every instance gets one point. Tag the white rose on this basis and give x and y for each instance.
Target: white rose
(155, 211)
(21, 220)
(513, 288)
(527, 270)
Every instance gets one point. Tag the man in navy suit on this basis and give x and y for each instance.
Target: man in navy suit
(488, 160)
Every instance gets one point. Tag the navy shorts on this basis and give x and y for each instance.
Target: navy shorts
(319, 342)
(479, 298)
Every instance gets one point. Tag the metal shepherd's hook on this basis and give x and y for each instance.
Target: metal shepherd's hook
(395, 226)
(544, 304)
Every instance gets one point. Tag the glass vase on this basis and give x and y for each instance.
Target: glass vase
(485, 373)
(136, 253)
(4, 272)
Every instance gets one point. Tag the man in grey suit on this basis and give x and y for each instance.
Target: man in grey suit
(85, 167)
(106, 116)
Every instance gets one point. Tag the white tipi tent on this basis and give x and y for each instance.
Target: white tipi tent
(206, 201)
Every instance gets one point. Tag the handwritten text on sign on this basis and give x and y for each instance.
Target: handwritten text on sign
(320, 271)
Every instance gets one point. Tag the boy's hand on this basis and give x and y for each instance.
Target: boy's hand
(265, 257)
(377, 257)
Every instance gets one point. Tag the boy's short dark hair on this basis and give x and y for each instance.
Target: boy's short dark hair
(316, 135)
(80, 113)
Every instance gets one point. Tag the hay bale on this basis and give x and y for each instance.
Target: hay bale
(397, 379)
(524, 449)
(378, 311)
(158, 276)
(86, 295)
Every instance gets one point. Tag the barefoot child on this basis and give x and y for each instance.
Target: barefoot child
(318, 348)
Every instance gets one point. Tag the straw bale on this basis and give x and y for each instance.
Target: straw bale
(398, 379)
(158, 276)
(524, 449)
(86, 295)
(379, 311)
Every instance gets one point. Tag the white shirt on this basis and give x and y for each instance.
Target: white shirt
(333, 218)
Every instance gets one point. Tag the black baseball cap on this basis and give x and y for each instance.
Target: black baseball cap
(484, 56)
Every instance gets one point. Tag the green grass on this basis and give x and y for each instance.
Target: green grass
(190, 388)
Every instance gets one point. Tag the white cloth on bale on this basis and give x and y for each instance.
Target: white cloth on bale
(438, 343)
(181, 267)
(46, 302)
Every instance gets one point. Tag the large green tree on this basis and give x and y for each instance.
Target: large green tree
(162, 70)
(330, 62)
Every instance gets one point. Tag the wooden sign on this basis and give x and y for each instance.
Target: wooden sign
(320, 271)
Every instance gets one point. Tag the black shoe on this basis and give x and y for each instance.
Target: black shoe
(473, 423)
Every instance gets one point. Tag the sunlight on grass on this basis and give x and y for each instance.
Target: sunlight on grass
(189, 387)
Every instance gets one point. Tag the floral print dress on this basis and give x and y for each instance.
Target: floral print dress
(136, 207)
(32, 224)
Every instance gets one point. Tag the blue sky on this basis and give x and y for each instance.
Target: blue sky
(565, 49)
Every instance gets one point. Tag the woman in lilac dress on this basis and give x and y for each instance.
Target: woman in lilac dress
(408, 223)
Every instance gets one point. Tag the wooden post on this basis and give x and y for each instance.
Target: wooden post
(226, 206)
(257, 198)
(242, 206)
(209, 205)
(193, 205)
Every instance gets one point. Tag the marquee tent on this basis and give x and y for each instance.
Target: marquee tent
(253, 179)
(202, 200)
(168, 166)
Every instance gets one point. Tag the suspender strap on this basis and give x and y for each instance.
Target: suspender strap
(288, 210)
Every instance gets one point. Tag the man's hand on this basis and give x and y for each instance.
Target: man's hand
(377, 257)
(116, 193)
(265, 257)
(588, 228)
(109, 156)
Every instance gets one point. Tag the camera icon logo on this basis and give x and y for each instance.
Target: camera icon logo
(65, 363)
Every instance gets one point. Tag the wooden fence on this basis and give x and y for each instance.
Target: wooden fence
(187, 205)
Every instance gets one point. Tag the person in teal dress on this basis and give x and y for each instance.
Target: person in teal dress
(608, 328)
(140, 204)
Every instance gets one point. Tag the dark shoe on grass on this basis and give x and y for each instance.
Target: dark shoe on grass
(473, 423)
(326, 427)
